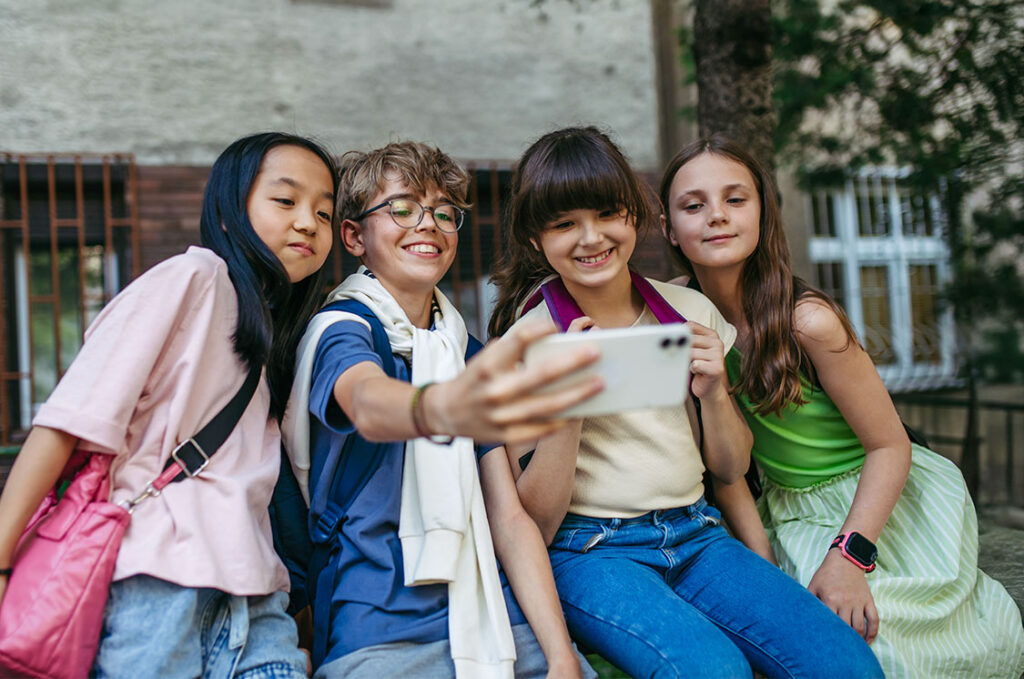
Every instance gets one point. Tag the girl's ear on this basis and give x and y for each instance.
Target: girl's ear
(352, 237)
(666, 231)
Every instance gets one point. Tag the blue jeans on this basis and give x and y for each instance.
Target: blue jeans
(153, 628)
(671, 594)
(434, 660)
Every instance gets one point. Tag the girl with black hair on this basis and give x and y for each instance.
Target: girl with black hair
(197, 589)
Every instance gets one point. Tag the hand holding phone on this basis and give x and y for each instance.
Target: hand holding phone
(642, 367)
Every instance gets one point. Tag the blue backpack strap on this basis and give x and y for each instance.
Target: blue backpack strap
(334, 492)
(381, 344)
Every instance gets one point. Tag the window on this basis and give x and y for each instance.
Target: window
(67, 245)
(877, 247)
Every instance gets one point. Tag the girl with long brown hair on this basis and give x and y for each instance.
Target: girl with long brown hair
(839, 473)
(646, 574)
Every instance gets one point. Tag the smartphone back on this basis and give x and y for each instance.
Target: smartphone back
(642, 367)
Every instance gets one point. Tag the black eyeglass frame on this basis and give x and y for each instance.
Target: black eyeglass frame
(460, 214)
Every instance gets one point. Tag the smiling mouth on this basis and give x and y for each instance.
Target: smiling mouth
(423, 249)
(301, 247)
(595, 259)
(719, 239)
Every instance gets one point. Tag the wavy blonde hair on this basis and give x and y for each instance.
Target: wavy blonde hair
(419, 166)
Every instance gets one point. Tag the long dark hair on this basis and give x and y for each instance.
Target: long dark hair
(569, 169)
(272, 311)
(771, 371)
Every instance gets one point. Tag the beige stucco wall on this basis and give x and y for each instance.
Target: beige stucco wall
(173, 82)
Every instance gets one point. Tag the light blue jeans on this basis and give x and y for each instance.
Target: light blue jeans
(153, 628)
(434, 660)
(671, 594)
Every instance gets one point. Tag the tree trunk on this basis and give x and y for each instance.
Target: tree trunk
(732, 51)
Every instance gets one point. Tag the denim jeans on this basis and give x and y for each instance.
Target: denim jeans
(153, 628)
(671, 594)
(434, 660)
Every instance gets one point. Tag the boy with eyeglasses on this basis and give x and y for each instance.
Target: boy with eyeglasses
(403, 579)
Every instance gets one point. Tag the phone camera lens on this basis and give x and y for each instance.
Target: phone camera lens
(666, 343)
(681, 342)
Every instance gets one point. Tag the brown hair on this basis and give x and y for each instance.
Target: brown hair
(568, 169)
(419, 166)
(771, 369)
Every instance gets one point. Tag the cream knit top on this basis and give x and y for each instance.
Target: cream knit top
(633, 462)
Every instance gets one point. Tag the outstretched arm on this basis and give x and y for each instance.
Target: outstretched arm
(494, 399)
(519, 548)
(41, 460)
(545, 486)
(848, 376)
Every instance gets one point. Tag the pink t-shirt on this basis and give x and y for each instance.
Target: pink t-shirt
(157, 364)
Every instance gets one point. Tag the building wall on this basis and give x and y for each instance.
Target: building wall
(174, 82)
(170, 202)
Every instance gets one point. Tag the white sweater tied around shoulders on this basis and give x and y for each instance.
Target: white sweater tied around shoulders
(443, 525)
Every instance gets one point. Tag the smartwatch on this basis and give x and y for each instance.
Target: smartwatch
(858, 549)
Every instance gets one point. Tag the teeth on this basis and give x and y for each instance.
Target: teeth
(424, 248)
(594, 258)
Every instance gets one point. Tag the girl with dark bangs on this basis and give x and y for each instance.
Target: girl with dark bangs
(839, 473)
(646, 574)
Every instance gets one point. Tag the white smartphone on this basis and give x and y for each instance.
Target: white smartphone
(642, 367)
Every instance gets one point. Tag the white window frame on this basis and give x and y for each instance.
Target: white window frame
(897, 252)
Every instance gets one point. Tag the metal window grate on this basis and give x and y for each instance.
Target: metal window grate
(68, 243)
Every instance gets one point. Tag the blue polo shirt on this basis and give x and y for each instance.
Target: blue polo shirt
(369, 602)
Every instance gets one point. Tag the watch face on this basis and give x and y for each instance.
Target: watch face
(861, 549)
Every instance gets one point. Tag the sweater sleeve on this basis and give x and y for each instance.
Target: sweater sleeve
(113, 371)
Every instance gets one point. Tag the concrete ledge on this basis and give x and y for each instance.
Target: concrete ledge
(1001, 548)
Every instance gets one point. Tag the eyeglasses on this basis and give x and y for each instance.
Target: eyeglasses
(408, 214)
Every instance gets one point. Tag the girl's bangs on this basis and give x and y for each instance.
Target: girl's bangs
(576, 181)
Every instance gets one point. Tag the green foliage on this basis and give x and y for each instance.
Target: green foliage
(934, 86)
(604, 669)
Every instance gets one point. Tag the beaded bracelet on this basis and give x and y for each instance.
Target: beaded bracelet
(6, 572)
(416, 409)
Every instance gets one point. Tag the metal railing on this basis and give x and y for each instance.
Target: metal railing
(941, 419)
(69, 241)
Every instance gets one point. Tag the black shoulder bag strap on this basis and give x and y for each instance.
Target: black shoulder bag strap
(193, 454)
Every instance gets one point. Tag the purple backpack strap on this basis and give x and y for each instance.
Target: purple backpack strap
(662, 310)
(564, 309)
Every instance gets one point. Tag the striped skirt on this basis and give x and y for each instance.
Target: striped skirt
(939, 615)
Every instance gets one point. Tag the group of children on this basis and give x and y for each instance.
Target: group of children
(447, 524)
